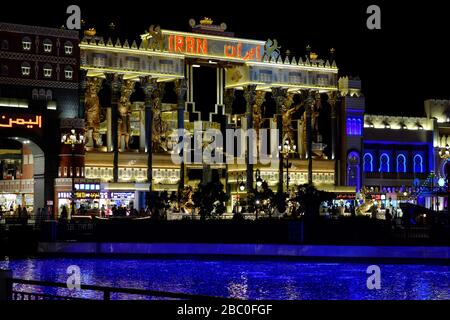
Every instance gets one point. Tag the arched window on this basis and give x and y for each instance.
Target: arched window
(5, 70)
(359, 127)
(384, 163)
(47, 45)
(368, 162)
(353, 170)
(5, 45)
(26, 68)
(47, 70)
(349, 127)
(26, 43)
(68, 72)
(418, 163)
(35, 94)
(48, 95)
(354, 132)
(41, 94)
(68, 47)
(401, 163)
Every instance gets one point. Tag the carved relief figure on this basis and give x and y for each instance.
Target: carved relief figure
(287, 112)
(124, 110)
(187, 204)
(93, 111)
(257, 114)
(315, 116)
(159, 126)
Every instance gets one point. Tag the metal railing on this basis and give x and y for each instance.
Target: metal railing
(104, 290)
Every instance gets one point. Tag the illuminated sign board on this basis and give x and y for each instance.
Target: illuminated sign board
(20, 121)
(87, 195)
(209, 46)
(64, 195)
(122, 195)
(87, 186)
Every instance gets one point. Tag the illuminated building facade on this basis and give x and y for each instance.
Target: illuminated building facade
(38, 87)
(105, 120)
(137, 92)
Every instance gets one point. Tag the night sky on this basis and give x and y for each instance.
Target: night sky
(400, 65)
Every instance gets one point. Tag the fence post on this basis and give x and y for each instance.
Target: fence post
(106, 295)
(5, 285)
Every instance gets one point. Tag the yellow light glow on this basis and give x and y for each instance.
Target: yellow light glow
(137, 73)
(212, 37)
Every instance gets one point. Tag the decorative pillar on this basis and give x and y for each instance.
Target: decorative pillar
(115, 81)
(180, 90)
(309, 108)
(333, 99)
(249, 95)
(228, 99)
(109, 141)
(149, 85)
(81, 91)
(280, 96)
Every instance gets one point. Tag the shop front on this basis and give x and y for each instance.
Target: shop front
(118, 199)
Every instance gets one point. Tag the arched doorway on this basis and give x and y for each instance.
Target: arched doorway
(22, 175)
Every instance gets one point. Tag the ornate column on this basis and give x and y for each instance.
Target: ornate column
(124, 112)
(228, 99)
(149, 86)
(81, 91)
(115, 81)
(333, 99)
(280, 96)
(249, 95)
(180, 90)
(309, 108)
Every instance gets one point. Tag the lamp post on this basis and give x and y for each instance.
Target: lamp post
(285, 150)
(259, 181)
(240, 186)
(444, 153)
(73, 139)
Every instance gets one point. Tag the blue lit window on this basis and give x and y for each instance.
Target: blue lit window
(384, 163)
(354, 126)
(368, 162)
(401, 163)
(418, 164)
(349, 127)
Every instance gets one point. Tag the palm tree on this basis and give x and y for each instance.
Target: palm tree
(210, 199)
(310, 199)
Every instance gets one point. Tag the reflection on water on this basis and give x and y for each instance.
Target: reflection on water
(239, 279)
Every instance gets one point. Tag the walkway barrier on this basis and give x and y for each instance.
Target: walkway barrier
(9, 285)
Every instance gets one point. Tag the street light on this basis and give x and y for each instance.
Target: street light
(73, 139)
(285, 150)
(259, 181)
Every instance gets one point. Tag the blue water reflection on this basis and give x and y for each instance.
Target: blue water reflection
(283, 280)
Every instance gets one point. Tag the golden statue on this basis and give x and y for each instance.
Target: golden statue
(287, 112)
(93, 111)
(159, 126)
(315, 116)
(124, 109)
(186, 203)
(257, 115)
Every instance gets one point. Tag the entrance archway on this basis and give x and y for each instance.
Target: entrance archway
(22, 175)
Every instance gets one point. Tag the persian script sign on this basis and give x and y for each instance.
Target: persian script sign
(208, 46)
